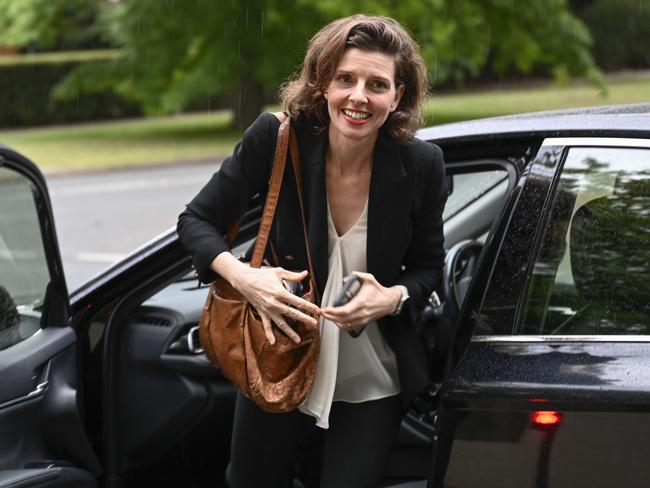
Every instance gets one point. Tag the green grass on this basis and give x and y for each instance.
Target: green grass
(208, 136)
(156, 140)
(446, 108)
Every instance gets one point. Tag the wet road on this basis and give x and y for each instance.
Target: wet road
(101, 217)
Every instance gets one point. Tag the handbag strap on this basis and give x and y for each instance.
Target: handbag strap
(286, 142)
(297, 171)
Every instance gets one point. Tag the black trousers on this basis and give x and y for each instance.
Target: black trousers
(266, 447)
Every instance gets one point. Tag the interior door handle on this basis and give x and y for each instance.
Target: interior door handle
(38, 390)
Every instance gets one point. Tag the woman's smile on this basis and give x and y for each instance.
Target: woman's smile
(356, 117)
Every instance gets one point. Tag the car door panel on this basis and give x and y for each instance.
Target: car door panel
(600, 393)
(42, 438)
(167, 407)
(24, 366)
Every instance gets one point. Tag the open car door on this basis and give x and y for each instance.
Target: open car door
(42, 439)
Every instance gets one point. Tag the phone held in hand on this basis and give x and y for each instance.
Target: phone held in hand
(350, 289)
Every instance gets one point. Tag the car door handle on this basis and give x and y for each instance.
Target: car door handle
(38, 390)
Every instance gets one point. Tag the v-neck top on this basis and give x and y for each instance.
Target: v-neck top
(349, 369)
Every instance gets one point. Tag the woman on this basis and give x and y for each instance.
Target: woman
(374, 198)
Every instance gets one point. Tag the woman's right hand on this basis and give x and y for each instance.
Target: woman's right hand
(263, 289)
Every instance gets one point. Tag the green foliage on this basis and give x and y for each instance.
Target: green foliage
(177, 51)
(621, 32)
(49, 24)
(26, 84)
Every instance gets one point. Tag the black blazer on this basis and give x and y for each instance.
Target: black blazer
(404, 241)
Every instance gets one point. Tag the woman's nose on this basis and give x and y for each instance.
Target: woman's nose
(358, 94)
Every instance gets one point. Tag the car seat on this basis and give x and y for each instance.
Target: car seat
(610, 259)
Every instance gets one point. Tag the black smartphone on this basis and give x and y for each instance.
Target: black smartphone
(349, 290)
(347, 293)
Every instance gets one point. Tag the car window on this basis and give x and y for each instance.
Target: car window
(592, 271)
(470, 187)
(24, 273)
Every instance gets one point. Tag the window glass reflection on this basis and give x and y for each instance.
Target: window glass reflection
(592, 273)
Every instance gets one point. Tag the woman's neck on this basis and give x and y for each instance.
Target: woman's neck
(346, 156)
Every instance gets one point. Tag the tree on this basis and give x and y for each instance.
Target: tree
(176, 51)
(47, 25)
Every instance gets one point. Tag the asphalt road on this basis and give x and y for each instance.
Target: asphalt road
(103, 216)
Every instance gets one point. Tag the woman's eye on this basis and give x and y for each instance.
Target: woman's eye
(346, 79)
(379, 85)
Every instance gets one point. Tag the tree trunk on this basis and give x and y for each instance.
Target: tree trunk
(248, 102)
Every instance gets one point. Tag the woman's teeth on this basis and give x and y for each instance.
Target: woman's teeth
(356, 115)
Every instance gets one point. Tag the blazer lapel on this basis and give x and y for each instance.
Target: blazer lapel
(389, 205)
(312, 154)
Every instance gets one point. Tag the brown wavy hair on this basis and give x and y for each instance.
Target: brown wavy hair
(304, 94)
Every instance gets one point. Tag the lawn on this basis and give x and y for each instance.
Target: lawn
(157, 140)
(207, 136)
(445, 108)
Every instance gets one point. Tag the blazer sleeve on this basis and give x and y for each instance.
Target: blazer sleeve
(203, 226)
(425, 257)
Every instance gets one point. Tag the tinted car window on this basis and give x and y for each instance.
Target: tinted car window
(592, 272)
(24, 273)
(470, 187)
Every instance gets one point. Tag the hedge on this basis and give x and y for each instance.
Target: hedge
(26, 83)
(620, 30)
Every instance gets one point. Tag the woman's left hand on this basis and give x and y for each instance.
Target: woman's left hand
(372, 302)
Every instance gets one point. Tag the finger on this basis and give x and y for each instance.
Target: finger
(291, 275)
(363, 276)
(302, 304)
(295, 314)
(286, 328)
(268, 329)
(343, 310)
(341, 318)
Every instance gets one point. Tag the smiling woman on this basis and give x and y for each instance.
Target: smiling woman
(374, 197)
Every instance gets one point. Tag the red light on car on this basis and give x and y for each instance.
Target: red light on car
(546, 417)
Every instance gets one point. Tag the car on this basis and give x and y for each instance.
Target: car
(539, 336)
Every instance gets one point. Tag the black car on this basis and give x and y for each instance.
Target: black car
(540, 367)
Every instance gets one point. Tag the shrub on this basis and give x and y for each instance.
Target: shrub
(27, 83)
(620, 30)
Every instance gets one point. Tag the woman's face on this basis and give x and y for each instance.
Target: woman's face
(362, 94)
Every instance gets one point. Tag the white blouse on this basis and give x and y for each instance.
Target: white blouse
(349, 369)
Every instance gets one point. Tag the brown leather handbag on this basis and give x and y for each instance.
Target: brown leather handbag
(276, 377)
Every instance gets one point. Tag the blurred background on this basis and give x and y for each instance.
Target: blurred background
(89, 85)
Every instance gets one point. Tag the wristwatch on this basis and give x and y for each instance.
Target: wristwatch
(404, 296)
